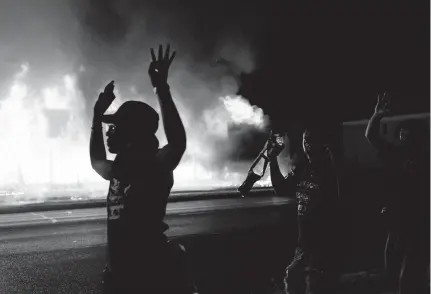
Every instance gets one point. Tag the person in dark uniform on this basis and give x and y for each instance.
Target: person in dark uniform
(315, 184)
(140, 259)
(407, 209)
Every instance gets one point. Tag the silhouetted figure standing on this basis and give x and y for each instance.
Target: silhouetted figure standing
(315, 185)
(407, 247)
(140, 259)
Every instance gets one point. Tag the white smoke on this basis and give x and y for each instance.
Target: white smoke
(43, 157)
(67, 53)
(241, 112)
(202, 152)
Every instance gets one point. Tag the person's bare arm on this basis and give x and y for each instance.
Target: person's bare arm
(174, 129)
(373, 129)
(97, 152)
(282, 185)
(171, 154)
(98, 158)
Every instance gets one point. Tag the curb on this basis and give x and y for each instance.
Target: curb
(99, 203)
(44, 223)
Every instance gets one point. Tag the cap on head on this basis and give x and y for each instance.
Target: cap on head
(134, 114)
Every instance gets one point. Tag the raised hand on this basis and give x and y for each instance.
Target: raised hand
(109, 89)
(382, 106)
(159, 67)
(105, 99)
(275, 145)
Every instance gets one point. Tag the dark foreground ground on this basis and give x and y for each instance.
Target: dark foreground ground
(77, 270)
(235, 246)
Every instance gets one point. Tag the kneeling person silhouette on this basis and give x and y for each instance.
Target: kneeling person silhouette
(139, 257)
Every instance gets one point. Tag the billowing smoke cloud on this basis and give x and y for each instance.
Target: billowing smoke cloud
(114, 42)
(199, 76)
(60, 54)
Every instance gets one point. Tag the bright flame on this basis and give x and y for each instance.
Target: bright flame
(24, 129)
(31, 151)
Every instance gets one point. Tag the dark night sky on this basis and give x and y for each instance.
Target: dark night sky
(332, 60)
(325, 60)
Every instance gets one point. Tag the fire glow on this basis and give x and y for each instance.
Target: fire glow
(36, 151)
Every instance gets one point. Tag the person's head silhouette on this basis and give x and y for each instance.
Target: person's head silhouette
(414, 140)
(313, 144)
(133, 126)
(411, 133)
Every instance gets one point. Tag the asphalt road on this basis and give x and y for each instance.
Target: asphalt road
(68, 229)
(64, 251)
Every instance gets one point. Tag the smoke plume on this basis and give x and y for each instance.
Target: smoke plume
(60, 55)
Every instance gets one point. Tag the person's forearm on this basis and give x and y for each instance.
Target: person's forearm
(373, 129)
(276, 175)
(174, 128)
(97, 146)
(277, 178)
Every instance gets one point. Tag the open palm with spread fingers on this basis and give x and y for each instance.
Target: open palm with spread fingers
(159, 67)
(383, 104)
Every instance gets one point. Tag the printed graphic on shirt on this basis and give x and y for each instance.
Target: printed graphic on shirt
(115, 202)
(303, 202)
(307, 191)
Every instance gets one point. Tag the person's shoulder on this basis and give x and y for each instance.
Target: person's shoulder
(153, 165)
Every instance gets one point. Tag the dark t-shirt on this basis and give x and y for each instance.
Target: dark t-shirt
(409, 185)
(316, 191)
(316, 194)
(136, 205)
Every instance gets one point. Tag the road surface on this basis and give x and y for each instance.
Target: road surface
(64, 251)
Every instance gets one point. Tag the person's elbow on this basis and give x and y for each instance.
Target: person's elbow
(370, 137)
(374, 140)
(94, 164)
(180, 146)
(102, 167)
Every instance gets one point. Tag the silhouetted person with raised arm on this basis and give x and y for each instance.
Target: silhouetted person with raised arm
(140, 259)
(407, 247)
(315, 185)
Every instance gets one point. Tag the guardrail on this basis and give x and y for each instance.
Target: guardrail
(176, 196)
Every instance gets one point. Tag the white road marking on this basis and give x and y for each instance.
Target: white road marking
(183, 208)
(53, 220)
